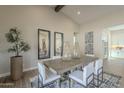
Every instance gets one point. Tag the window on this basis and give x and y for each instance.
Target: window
(89, 43)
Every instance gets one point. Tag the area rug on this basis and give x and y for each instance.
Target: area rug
(109, 81)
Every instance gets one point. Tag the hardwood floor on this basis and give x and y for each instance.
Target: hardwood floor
(111, 66)
(22, 83)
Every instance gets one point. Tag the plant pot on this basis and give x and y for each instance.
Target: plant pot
(16, 67)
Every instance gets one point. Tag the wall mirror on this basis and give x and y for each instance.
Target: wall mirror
(58, 44)
(43, 44)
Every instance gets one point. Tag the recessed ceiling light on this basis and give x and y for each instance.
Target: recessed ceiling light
(78, 12)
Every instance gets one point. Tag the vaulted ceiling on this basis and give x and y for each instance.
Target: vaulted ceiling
(86, 13)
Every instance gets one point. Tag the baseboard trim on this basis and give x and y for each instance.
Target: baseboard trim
(8, 73)
(28, 69)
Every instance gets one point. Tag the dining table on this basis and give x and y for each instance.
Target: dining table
(61, 66)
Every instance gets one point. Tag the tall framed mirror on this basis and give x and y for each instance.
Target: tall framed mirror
(43, 44)
(58, 43)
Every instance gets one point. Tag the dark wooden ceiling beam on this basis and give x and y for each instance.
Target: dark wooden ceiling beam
(58, 8)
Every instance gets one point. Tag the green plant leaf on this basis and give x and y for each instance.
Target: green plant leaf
(10, 38)
(14, 37)
(24, 46)
(11, 50)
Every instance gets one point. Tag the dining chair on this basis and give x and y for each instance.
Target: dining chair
(84, 77)
(98, 71)
(46, 77)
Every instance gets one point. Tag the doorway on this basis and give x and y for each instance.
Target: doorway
(113, 42)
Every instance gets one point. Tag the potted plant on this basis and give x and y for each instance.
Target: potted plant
(17, 46)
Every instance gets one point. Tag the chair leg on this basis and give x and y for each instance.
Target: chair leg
(59, 83)
(97, 85)
(93, 80)
(102, 75)
(38, 82)
(32, 85)
(69, 83)
(99, 81)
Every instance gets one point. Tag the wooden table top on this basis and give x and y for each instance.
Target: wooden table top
(61, 66)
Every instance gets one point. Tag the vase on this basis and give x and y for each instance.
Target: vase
(76, 48)
(16, 67)
(67, 51)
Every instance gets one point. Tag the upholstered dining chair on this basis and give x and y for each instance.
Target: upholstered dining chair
(46, 77)
(98, 71)
(84, 77)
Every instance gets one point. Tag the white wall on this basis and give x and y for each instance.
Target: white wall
(98, 26)
(28, 19)
(117, 37)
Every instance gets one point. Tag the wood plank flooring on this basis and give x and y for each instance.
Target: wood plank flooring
(22, 83)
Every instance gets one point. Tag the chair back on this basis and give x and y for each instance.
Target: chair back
(48, 59)
(56, 57)
(98, 65)
(90, 55)
(41, 71)
(88, 73)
